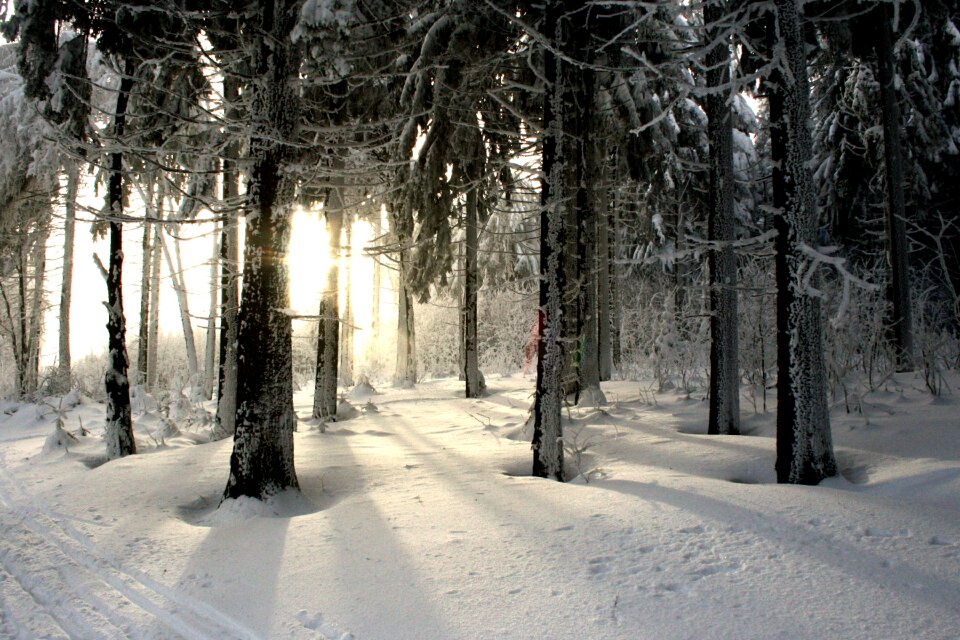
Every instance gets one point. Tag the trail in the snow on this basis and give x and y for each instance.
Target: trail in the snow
(55, 582)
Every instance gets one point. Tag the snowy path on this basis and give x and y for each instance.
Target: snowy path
(55, 582)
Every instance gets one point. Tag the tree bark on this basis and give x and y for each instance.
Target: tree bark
(724, 413)
(209, 354)
(119, 423)
(143, 332)
(474, 386)
(66, 282)
(153, 338)
(262, 463)
(229, 275)
(328, 329)
(897, 249)
(346, 327)
(804, 445)
(180, 288)
(547, 441)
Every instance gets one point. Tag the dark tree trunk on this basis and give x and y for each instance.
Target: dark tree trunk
(724, 415)
(143, 332)
(548, 429)
(119, 424)
(897, 249)
(604, 301)
(229, 276)
(262, 462)
(804, 445)
(474, 379)
(328, 327)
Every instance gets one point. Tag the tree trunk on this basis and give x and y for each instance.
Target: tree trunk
(143, 333)
(587, 199)
(262, 462)
(346, 327)
(473, 378)
(897, 249)
(548, 429)
(377, 277)
(66, 283)
(724, 413)
(328, 328)
(119, 423)
(405, 374)
(153, 337)
(604, 302)
(230, 275)
(616, 299)
(804, 445)
(209, 355)
(39, 263)
(180, 287)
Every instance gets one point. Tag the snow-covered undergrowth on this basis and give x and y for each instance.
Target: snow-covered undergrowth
(419, 520)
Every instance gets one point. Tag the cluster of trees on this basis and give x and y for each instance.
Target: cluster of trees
(623, 130)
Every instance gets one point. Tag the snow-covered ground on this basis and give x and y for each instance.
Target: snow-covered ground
(417, 520)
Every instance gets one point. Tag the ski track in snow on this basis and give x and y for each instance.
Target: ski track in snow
(56, 583)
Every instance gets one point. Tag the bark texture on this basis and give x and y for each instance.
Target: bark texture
(804, 444)
(724, 413)
(261, 463)
(897, 249)
(119, 424)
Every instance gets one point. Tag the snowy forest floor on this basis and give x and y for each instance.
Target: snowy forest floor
(418, 519)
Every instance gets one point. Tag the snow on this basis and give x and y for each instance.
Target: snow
(420, 520)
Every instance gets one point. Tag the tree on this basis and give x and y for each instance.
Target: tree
(804, 445)
(119, 427)
(724, 417)
(328, 330)
(261, 463)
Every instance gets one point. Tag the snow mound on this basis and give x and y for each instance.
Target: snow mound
(363, 390)
(58, 441)
(346, 411)
(286, 504)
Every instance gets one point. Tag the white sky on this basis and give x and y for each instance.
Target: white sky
(308, 262)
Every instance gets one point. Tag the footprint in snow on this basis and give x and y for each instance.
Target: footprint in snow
(316, 623)
(874, 532)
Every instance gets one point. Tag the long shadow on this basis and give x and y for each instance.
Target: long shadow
(852, 560)
(363, 564)
(237, 568)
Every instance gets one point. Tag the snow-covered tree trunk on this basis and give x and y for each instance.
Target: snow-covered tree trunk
(547, 441)
(119, 422)
(604, 302)
(588, 187)
(230, 274)
(209, 354)
(153, 337)
(616, 298)
(897, 249)
(178, 281)
(405, 374)
(346, 327)
(143, 332)
(262, 463)
(804, 445)
(473, 378)
(63, 381)
(724, 413)
(35, 324)
(328, 328)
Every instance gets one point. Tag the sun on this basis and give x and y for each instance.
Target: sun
(309, 261)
